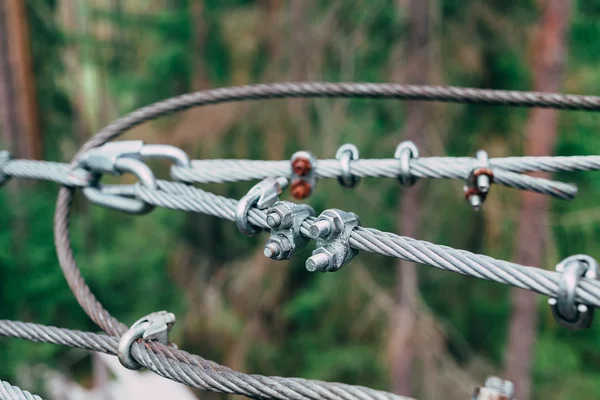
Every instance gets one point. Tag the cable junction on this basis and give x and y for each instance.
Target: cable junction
(573, 289)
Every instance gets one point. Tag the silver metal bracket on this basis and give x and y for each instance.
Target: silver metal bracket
(304, 177)
(332, 231)
(120, 157)
(5, 157)
(262, 195)
(405, 152)
(564, 308)
(479, 181)
(152, 327)
(346, 153)
(495, 389)
(285, 219)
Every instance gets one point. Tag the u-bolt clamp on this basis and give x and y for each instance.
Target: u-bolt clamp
(304, 176)
(479, 181)
(262, 195)
(152, 327)
(346, 153)
(116, 158)
(332, 231)
(405, 152)
(564, 308)
(285, 220)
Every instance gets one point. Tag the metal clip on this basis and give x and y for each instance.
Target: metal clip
(262, 195)
(152, 327)
(495, 389)
(285, 219)
(5, 157)
(405, 152)
(479, 182)
(332, 231)
(304, 177)
(564, 308)
(125, 156)
(346, 153)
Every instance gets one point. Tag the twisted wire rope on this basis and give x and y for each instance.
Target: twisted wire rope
(194, 370)
(216, 171)
(10, 392)
(409, 92)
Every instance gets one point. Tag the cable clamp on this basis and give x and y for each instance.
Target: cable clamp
(564, 308)
(332, 231)
(479, 181)
(405, 152)
(5, 157)
(304, 176)
(153, 327)
(116, 158)
(346, 153)
(285, 220)
(262, 195)
(495, 389)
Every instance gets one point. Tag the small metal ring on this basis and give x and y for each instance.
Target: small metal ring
(345, 154)
(132, 206)
(406, 151)
(241, 213)
(564, 307)
(124, 347)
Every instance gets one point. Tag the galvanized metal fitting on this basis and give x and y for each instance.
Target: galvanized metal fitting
(564, 307)
(332, 231)
(152, 327)
(5, 157)
(304, 177)
(479, 181)
(120, 157)
(346, 153)
(405, 152)
(495, 389)
(285, 219)
(262, 195)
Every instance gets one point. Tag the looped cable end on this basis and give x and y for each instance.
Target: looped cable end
(405, 152)
(564, 308)
(152, 327)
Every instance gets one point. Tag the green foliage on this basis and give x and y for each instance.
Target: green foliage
(323, 326)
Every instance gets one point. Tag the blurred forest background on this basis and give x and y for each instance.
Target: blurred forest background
(70, 67)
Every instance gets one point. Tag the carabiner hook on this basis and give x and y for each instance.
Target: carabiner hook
(131, 206)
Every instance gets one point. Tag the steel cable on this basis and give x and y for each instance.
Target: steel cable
(409, 92)
(194, 370)
(10, 392)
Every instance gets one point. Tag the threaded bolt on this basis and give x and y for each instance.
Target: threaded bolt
(301, 166)
(320, 229)
(273, 219)
(483, 183)
(475, 201)
(272, 250)
(300, 189)
(319, 261)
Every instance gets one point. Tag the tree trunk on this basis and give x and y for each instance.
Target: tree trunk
(548, 61)
(18, 92)
(417, 54)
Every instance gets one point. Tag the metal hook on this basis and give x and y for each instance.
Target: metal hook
(564, 308)
(132, 206)
(262, 195)
(345, 154)
(406, 151)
